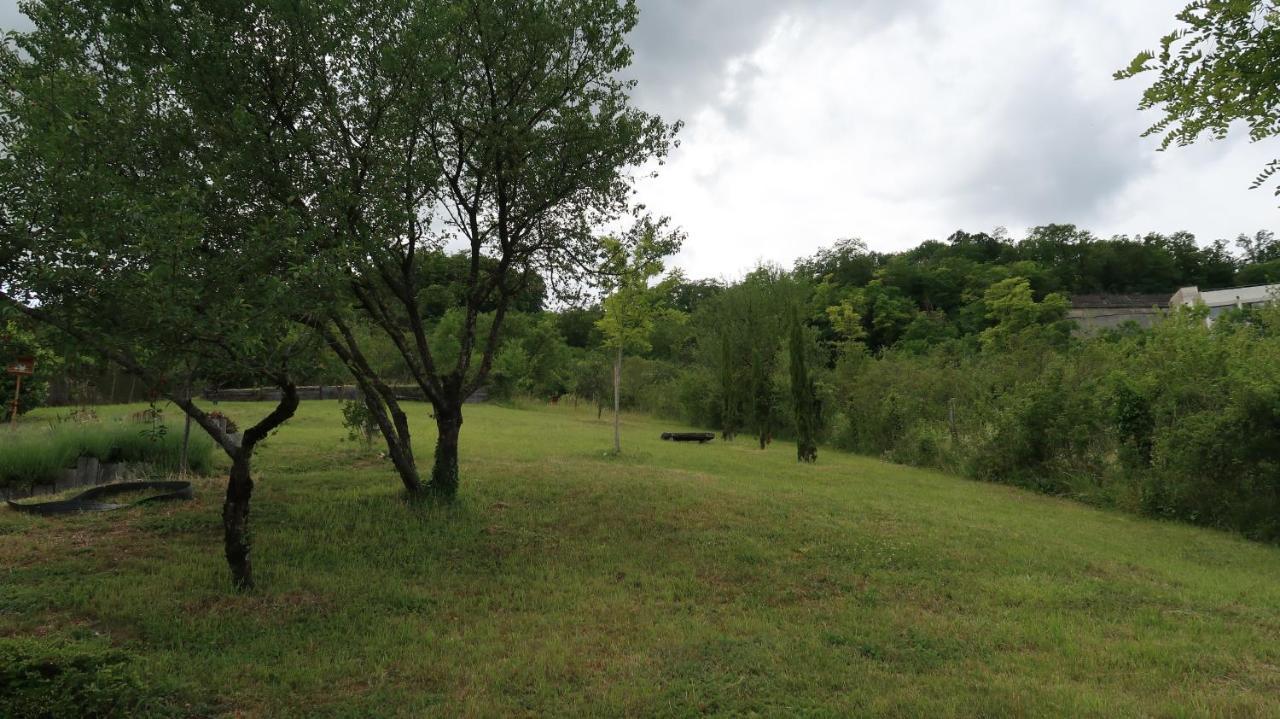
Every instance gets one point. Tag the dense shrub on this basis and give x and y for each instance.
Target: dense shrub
(1182, 421)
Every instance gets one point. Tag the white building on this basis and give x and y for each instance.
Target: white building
(1220, 301)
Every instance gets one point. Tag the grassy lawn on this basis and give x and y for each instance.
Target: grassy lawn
(677, 580)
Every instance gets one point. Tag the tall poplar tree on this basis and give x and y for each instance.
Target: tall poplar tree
(803, 393)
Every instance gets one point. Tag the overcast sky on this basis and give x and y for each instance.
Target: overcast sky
(899, 121)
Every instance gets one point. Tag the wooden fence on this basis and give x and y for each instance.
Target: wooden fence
(407, 393)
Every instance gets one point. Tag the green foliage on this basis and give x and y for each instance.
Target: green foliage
(630, 263)
(358, 421)
(45, 680)
(534, 360)
(592, 379)
(1017, 318)
(1220, 66)
(741, 335)
(1180, 421)
(20, 338)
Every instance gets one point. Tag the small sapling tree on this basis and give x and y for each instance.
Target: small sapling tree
(629, 310)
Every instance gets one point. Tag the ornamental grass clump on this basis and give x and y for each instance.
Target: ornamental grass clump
(42, 456)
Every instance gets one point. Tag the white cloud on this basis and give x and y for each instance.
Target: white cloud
(907, 125)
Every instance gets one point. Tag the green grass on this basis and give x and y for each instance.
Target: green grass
(675, 580)
(39, 453)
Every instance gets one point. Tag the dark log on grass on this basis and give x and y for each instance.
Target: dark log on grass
(699, 437)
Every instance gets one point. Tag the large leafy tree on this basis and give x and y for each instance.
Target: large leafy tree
(129, 230)
(531, 135)
(383, 133)
(393, 130)
(1220, 66)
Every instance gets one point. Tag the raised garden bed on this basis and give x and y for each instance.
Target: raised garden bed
(38, 460)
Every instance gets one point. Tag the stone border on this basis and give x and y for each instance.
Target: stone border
(87, 472)
(87, 501)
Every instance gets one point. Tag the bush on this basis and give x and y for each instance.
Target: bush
(1181, 421)
(358, 421)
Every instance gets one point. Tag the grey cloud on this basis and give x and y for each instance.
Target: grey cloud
(11, 18)
(1053, 155)
(683, 47)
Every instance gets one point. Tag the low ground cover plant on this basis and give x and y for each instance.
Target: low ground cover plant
(84, 679)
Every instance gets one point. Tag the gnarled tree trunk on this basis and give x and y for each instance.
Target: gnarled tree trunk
(444, 472)
(235, 520)
(236, 539)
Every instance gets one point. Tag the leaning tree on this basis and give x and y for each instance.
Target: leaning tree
(127, 229)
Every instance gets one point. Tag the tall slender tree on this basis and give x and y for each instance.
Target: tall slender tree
(747, 327)
(629, 311)
(804, 395)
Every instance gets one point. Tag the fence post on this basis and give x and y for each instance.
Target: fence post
(951, 419)
(186, 438)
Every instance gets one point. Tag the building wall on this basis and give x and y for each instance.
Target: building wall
(1091, 320)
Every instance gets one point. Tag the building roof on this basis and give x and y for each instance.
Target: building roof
(1239, 295)
(1118, 301)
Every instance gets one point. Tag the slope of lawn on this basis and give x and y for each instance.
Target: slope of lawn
(676, 580)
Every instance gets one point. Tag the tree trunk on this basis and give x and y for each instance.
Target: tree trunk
(617, 402)
(394, 426)
(444, 472)
(186, 439)
(235, 520)
(236, 541)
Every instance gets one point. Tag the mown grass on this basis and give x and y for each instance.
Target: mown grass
(675, 580)
(39, 453)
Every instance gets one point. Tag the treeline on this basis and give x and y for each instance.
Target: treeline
(955, 354)
(959, 355)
